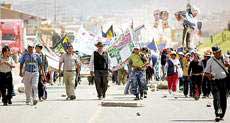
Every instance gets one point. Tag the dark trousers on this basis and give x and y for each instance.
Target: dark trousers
(101, 82)
(206, 87)
(77, 80)
(42, 93)
(219, 92)
(197, 82)
(6, 86)
(186, 38)
(187, 86)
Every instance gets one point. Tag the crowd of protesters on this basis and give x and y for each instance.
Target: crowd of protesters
(184, 70)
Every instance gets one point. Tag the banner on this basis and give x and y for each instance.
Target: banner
(85, 42)
(126, 39)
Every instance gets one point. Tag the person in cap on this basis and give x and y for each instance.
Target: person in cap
(99, 68)
(216, 72)
(71, 65)
(6, 78)
(186, 80)
(32, 67)
(138, 64)
(42, 93)
(206, 84)
(172, 66)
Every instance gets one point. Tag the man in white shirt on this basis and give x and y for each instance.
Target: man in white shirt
(215, 71)
(70, 67)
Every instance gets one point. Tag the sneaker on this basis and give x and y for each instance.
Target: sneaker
(27, 102)
(196, 97)
(9, 101)
(40, 99)
(99, 98)
(217, 119)
(67, 98)
(136, 98)
(4, 104)
(73, 97)
(35, 102)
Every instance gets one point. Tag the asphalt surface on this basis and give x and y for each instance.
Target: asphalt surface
(88, 109)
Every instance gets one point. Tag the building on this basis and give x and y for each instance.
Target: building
(32, 23)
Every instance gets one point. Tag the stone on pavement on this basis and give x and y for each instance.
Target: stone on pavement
(21, 89)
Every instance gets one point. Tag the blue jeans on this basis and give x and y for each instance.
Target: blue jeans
(127, 87)
(138, 82)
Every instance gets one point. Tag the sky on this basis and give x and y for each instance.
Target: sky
(101, 7)
(140, 10)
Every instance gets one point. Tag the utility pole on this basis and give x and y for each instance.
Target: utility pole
(55, 12)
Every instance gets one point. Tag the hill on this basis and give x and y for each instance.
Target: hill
(221, 39)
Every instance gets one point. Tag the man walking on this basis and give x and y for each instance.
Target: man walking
(217, 73)
(32, 64)
(138, 77)
(70, 68)
(6, 79)
(99, 67)
(42, 93)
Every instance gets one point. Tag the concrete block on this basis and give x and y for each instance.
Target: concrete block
(122, 104)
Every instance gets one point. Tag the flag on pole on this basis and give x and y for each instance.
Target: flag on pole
(110, 33)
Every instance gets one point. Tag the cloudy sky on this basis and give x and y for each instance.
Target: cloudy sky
(139, 10)
(101, 7)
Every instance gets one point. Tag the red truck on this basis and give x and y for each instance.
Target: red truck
(11, 34)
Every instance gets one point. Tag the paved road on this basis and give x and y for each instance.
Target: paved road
(87, 109)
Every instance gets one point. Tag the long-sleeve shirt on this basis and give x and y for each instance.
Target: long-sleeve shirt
(215, 69)
(195, 68)
(185, 66)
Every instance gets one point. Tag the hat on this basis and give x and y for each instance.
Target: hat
(216, 49)
(180, 53)
(136, 48)
(99, 44)
(39, 46)
(187, 54)
(30, 44)
(172, 53)
(207, 53)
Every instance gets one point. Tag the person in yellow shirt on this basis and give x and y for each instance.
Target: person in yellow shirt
(138, 76)
(186, 81)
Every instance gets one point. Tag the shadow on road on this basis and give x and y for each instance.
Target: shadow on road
(48, 100)
(199, 121)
